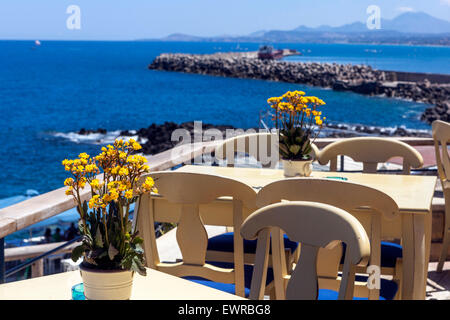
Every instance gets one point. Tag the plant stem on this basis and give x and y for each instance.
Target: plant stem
(106, 228)
(82, 213)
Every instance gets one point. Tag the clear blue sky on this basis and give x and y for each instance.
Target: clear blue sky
(136, 19)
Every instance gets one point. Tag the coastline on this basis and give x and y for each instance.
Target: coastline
(231, 41)
(156, 138)
(361, 79)
(290, 42)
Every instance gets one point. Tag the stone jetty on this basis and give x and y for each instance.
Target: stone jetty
(357, 78)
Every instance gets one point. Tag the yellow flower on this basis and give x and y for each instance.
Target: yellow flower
(95, 184)
(122, 155)
(274, 100)
(106, 198)
(69, 191)
(122, 187)
(148, 184)
(123, 172)
(113, 184)
(115, 170)
(320, 102)
(136, 146)
(129, 194)
(94, 201)
(68, 182)
(91, 168)
(82, 182)
(113, 194)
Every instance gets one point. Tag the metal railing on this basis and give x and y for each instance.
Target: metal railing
(28, 263)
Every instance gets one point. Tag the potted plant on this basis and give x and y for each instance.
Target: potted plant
(298, 122)
(110, 248)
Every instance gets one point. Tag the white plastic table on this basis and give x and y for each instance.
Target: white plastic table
(155, 286)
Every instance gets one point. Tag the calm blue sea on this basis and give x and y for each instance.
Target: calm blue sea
(49, 92)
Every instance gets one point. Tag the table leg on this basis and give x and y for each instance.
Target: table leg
(428, 233)
(416, 254)
(408, 257)
(422, 243)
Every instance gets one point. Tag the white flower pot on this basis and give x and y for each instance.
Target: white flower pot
(292, 168)
(106, 284)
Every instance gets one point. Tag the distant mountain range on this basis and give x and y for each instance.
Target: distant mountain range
(407, 28)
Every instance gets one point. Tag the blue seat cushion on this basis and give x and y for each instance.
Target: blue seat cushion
(225, 243)
(388, 289)
(389, 253)
(230, 287)
(226, 287)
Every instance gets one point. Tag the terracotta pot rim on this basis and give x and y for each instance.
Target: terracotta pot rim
(84, 268)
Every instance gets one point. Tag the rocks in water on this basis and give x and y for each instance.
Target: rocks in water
(441, 111)
(357, 78)
(158, 137)
(319, 74)
(346, 131)
(84, 132)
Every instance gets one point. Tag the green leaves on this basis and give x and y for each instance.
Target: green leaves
(294, 149)
(98, 238)
(78, 252)
(108, 241)
(112, 252)
(294, 144)
(138, 240)
(138, 267)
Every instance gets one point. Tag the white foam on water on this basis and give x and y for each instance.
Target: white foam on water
(98, 138)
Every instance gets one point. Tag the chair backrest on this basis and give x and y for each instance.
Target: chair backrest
(347, 196)
(262, 146)
(314, 225)
(342, 194)
(188, 191)
(371, 151)
(441, 136)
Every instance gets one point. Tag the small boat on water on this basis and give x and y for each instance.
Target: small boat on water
(268, 53)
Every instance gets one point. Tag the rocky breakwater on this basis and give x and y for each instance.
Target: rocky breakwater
(242, 66)
(357, 78)
(158, 137)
